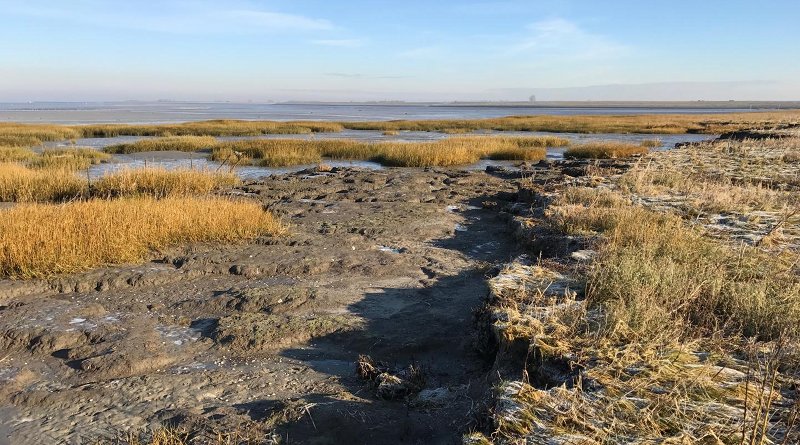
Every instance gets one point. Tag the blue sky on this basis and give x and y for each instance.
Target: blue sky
(410, 50)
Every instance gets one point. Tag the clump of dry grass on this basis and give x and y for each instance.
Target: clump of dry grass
(275, 152)
(28, 135)
(791, 156)
(651, 143)
(391, 133)
(457, 130)
(68, 159)
(720, 177)
(657, 276)
(41, 240)
(605, 150)
(169, 143)
(21, 184)
(16, 154)
(161, 183)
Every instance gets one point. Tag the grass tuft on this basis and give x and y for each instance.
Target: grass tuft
(71, 159)
(21, 184)
(169, 143)
(41, 240)
(161, 183)
(605, 150)
(16, 154)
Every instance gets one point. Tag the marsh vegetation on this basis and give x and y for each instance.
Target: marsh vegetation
(41, 240)
(684, 320)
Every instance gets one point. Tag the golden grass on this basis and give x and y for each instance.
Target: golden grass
(273, 152)
(605, 150)
(41, 240)
(651, 124)
(285, 152)
(444, 152)
(177, 143)
(210, 128)
(161, 183)
(72, 159)
(16, 154)
(21, 184)
(28, 135)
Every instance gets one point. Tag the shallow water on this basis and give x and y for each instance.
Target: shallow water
(667, 140)
(244, 172)
(174, 160)
(170, 112)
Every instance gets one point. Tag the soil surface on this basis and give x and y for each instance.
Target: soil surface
(265, 336)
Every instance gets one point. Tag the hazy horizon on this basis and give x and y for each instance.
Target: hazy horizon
(264, 51)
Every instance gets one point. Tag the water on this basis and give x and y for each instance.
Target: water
(171, 112)
(175, 160)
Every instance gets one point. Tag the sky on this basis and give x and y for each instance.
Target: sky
(438, 50)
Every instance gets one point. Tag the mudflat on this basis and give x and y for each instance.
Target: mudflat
(388, 264)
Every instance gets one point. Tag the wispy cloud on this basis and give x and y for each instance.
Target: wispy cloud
(174, 17)
(342, 43)
(278, 20)
(566, 39)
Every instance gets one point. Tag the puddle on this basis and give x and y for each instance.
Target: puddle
(390, 249)
(177, 335)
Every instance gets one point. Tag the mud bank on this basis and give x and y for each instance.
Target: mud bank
(266, 336)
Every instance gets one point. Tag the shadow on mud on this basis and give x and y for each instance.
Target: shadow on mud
(430, 327)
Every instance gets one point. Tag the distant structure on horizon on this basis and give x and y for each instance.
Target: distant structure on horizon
(532, 99)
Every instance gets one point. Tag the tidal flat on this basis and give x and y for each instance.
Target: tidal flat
(650, 294)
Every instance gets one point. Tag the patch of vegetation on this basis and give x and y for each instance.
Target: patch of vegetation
(651, 143)
(286, 152)
(605, 150)
(161, 183)
(28, 135)
(42, 240)
(71, 159)
(21, 184)
(649, 124)
(169, 143)
(222, 127)
(670, 332)
(16, 154)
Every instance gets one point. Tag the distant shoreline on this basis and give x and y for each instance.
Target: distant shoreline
(159, 112)
(766, 105)
(699, 104)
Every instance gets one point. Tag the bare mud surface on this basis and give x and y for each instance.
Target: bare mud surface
(266, 336)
